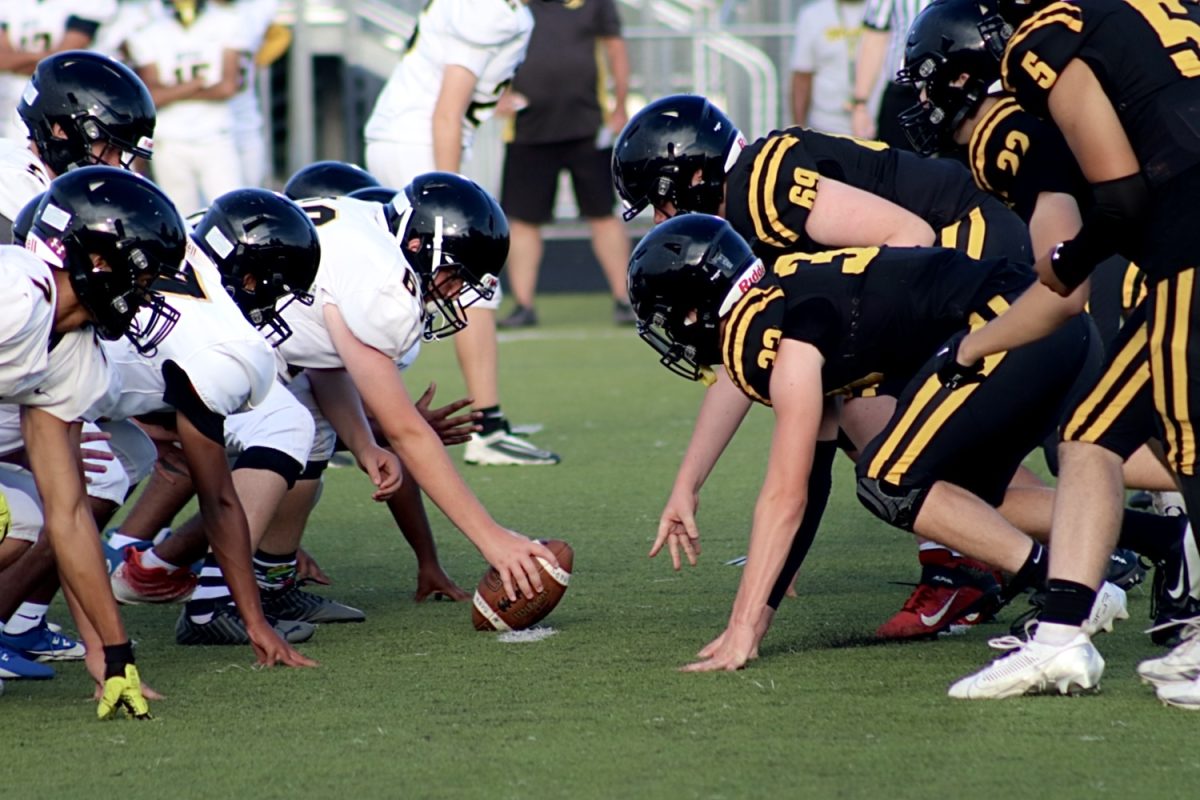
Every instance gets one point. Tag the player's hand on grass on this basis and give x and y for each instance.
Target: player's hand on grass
(308, 570)
(271, 649)
(123, 693)
(383, 468)
(94, 661)
(433, 582)
(677, 527)
(728, 652)
(450, 429)
(515, 558)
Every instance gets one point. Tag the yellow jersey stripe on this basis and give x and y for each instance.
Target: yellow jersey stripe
(983, 134)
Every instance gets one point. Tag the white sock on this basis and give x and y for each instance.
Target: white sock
(1055, 633)
(26, 618)
(150, 559)
(120, 541)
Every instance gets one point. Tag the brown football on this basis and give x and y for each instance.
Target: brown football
(493, 611)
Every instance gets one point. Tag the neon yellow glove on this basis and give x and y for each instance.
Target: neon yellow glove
(5, 517)
(123, 692)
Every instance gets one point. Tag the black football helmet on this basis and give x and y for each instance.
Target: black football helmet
(91, 98)
(682, 275)
(664, 145)
(449, 227)
(135, 235)
(266, 236)
(328, 179)
(374, 194)
(947, 40)
(24, 220)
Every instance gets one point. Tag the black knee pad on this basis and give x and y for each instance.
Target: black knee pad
(893, 505)
(313, 470)
(270, 459)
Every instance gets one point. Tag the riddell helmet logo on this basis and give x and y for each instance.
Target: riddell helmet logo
(752, 277)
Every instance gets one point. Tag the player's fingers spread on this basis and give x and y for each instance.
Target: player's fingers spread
(426, 396)
(534, 575)
(688, 549)
(673, 547)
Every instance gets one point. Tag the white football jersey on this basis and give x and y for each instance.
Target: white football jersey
(10, 429)
(181, 54)
(365, 275)
(488, 37)
(34, 26)
(257, 16)
(226, 359)
(131, 18)
(63, 375)
(22, 177)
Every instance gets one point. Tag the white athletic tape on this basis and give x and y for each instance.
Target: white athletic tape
(491, 616)
(560, 575)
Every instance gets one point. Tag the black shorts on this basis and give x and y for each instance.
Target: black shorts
(530, 180)
(990, 230)
(976, 436)
(1117, 413)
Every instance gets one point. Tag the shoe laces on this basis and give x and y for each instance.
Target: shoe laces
(1189, 628)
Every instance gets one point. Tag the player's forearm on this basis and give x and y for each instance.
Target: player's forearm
(229, 537)
(18, 61)
(447, 141)
(1035, 314)
(801, 92)
(777, 516)
(409, 514)
(872, 48)
(721, 413)
(163, 95)
(341, 404)
(76, 542)
(617, 55)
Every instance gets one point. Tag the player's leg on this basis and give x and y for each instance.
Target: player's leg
(222, 171)
(177, 172)
(591, 174)
(527, 192)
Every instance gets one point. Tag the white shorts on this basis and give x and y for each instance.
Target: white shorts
(113, 483)
(324, 438)
(280, 423)
(24, 505)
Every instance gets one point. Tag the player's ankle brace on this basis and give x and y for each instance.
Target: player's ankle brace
(115, 658)
(1067, 602)
(492, 420)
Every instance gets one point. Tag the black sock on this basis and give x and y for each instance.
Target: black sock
(1150, 535)
(116, 656)
(1032, 573)
(492, 421)
(820, 481)
(1067, 602)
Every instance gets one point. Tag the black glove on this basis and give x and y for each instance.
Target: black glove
(950, 372)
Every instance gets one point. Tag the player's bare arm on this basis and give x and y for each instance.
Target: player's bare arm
(229, 537)
(164, 94)
(378, 381)
(798, 403)
(454, 97)
(341, 404)
(231, 79)
(721, 413)
(845, 216)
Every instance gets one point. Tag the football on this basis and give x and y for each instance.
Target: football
(493, 611)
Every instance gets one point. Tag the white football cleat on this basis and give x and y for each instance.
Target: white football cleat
(1181, 665)
(1034, 668)
(1182, 694)
(1110, 606)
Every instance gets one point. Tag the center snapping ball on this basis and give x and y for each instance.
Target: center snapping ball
(493, 611)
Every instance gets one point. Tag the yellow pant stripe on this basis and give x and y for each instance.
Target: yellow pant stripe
(1185, 455)
(976, 233)
(1117, 367)
(1157, 364)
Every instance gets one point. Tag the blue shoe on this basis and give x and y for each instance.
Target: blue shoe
(43, 644)
(115, 556)
(13, 665)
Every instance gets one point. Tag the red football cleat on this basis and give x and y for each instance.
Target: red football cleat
(958, 592)
(134, 583)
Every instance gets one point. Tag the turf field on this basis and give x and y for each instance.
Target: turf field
(416, 704)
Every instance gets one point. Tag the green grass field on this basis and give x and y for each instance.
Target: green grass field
(416, 704)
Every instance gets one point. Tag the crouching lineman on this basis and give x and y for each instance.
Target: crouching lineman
(100, 237)
(391, 275)
(792, 332)
(264, 250)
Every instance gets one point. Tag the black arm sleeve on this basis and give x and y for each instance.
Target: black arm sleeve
(182, 396)
(820, 481)
(1108, 227)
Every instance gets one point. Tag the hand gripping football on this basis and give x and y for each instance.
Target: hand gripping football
(493, 611)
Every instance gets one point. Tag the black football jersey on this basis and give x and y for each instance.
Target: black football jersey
(872, 312)
(1016, 156)
(1146, 55)
(773, 185)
